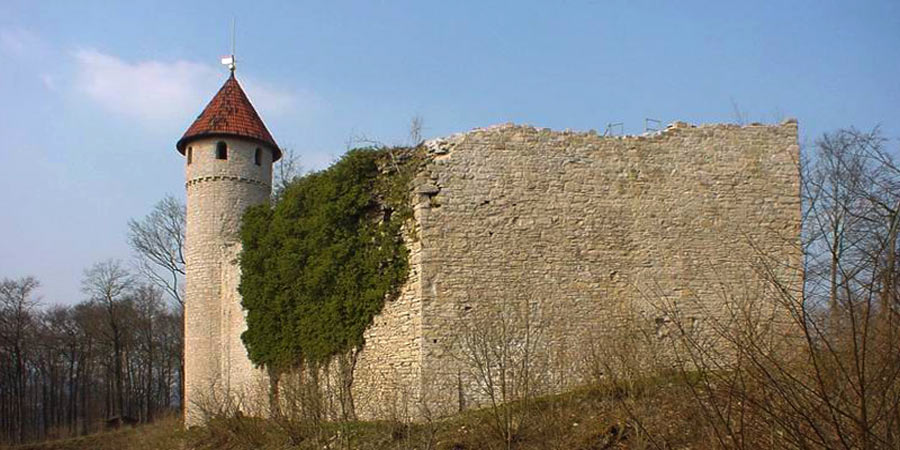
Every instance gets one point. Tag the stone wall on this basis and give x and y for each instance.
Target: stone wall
(577, 226)
(387, 375)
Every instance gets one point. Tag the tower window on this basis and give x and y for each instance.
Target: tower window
(190, 155)
(258, 157)
(221, 150)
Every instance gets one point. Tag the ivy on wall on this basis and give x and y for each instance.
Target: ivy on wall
(318, 265)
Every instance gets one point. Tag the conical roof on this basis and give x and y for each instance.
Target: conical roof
(229, 114)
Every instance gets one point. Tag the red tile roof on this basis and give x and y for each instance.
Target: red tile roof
(229, 113)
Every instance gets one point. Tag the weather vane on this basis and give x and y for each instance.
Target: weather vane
(230, 60)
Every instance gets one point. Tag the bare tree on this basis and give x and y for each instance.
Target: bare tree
(286, 171)
(836, 188)
(416, 125)
(148, 301)
(158, 243)
(17, 322)
(739, 115)
(107, 283)
(503, 352)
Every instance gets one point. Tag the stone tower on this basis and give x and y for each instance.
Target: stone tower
(228, 154)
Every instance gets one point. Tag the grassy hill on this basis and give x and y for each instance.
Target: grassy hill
(583, 419)
(165, 433)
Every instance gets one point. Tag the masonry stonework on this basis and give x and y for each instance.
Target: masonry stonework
(218, 192)
(578, 226)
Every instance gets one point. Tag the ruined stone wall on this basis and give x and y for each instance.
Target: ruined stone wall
(578, 226)
(385, 377)
(218, 192)
(581, 229)
(387, 374)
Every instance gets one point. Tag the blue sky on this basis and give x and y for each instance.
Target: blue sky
(93, 95)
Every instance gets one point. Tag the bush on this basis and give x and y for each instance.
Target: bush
(319, 264)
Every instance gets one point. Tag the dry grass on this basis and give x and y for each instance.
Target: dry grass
(165, 433)
(589, 418)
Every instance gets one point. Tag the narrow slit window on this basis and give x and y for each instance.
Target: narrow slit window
(221, 150)
(258, 157)
(190, 155)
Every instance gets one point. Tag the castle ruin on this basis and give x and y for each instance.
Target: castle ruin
(582, 229)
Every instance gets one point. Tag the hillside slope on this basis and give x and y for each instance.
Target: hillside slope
(583, 419)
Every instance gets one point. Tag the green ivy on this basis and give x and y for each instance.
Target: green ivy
(318, 265)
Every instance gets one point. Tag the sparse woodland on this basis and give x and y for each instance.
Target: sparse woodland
(826, 377)
(113, 358)
(67, 370)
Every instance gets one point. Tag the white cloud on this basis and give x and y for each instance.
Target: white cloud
(159, 91)
(266, 99)
(149, 90)
(20, 43)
